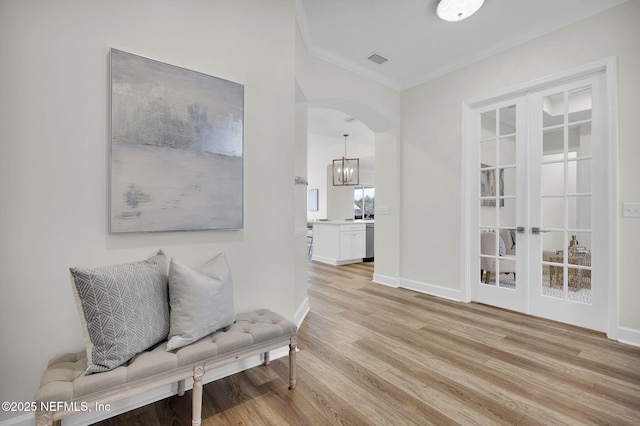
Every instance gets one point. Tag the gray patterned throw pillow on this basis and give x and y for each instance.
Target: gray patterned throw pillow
(124, 309)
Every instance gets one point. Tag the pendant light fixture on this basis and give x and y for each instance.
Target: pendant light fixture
(346, 171)
(457, 10)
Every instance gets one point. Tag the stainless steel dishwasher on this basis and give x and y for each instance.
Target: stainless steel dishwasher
(369, 243)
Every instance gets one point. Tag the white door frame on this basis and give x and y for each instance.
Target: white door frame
(469, 167)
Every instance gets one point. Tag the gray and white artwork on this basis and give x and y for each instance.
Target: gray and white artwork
(176, 148)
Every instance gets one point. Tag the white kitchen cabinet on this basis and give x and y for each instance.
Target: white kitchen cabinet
(352, 243)
(339, 242)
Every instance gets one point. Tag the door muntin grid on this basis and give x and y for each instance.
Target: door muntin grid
(566, 195)
(497, 197)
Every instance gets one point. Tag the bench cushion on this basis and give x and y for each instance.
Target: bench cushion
(64, 380)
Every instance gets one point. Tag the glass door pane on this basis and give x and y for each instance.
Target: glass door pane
(566, 198)
(497, 197)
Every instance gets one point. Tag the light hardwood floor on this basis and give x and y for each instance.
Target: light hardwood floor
(374, 355)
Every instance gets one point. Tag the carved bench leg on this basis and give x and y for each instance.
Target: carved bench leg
(44, 418)
(196, 396)
(266, 358)
(181, 387)
(292, 361)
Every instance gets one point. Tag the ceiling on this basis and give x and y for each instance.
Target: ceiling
(326, 141)
(418, 45)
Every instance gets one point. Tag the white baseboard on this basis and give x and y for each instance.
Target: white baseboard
(385, 280)
(323, 259)
(143, 399)
(629, 336)
(334, 262)
(302, 312)
(434, 290)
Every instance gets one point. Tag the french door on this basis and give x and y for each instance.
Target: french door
(500, 205)
(539, 234)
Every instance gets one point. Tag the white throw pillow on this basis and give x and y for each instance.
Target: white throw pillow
(201, 300)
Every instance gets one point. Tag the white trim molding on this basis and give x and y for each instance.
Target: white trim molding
(629, 336)
(432, 289)
(301, 312)
(385, 280)
(420, 287)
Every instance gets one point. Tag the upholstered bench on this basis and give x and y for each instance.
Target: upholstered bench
(251, 334)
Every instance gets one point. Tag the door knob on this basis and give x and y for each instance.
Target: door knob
(536, 230)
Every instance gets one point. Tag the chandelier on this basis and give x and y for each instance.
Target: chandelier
(346, 171)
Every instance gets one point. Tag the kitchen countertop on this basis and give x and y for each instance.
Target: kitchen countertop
(341, 222)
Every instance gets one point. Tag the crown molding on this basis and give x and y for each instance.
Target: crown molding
(339, 60)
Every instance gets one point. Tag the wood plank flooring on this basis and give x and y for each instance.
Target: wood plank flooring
(374, 355)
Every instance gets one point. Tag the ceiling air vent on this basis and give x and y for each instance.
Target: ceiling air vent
(377, 58)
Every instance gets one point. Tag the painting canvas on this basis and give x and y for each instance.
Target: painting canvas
(176, 148)
(488, 186)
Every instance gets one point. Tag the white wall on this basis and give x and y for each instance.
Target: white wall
(340, 199)
(53, 153)
(322, 81)
(300, 301)
(431, 135)
(326, 144)
(319, 154)
(54, 127)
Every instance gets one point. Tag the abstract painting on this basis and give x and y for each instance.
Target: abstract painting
(176, 148)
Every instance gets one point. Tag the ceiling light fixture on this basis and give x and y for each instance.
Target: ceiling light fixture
(346, 171)
(457, 10)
